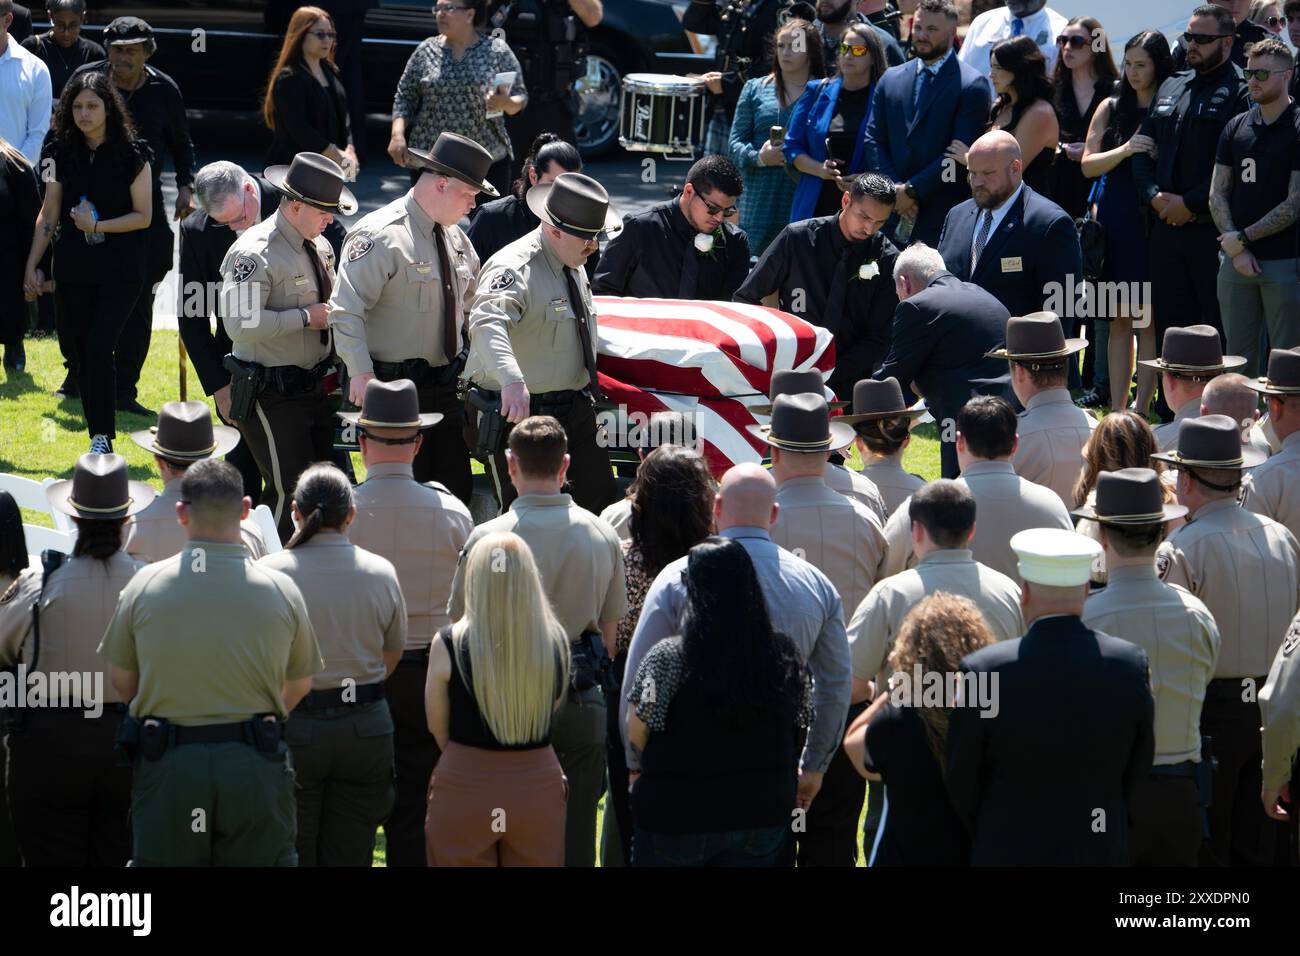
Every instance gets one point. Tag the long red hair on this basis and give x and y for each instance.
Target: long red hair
(303, 19)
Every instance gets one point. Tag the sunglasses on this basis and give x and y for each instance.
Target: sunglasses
(854, 49)
(324, 36)
(447, 8)
(1201, 39)
(714, 209)
(1274, 23)
(1261, 75)
(1075, 42)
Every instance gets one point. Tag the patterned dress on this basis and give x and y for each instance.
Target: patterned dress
(438, 93)
(765, 204)
(638, 582)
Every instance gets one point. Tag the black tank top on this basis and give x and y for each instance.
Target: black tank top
(467, 726)
(1037, 174)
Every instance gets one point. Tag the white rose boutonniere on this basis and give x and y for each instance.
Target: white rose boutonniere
(868, 271)
(704, 243)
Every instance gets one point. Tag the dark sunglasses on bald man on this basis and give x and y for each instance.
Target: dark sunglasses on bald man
(1201, 39)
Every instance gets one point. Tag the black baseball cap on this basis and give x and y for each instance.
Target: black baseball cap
(127, 30)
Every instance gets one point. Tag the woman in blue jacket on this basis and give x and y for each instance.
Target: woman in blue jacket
(834, 110)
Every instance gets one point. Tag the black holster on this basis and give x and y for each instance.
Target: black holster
(1205, 782)
(492, 426)
(591, 665)
(127, 742)
(154, 737)
(245, 384)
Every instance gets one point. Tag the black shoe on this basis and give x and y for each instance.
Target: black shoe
(15, 357)
(1090, 399)
(135, 408)
(69, 388)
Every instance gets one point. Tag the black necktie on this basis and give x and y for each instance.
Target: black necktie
(833, 316)
(450, 314)
(323, 284)
(584, 333)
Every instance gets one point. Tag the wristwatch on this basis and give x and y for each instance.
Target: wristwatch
(306, 318)
(912, 194)
(1241, 237)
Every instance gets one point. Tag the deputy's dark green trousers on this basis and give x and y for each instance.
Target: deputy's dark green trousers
(343, 762)
(214, 805)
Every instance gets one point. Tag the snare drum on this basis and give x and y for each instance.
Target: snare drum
(659, 113)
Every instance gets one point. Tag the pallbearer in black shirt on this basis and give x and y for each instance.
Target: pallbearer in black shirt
(837, 272)
(1254, 199)
(682, 248)
(63, 48)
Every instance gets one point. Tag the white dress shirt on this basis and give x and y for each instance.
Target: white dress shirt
(25, 100)
(993, 26)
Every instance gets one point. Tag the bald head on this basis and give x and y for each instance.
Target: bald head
(994, 165)
(746, 496)
(1227, 394)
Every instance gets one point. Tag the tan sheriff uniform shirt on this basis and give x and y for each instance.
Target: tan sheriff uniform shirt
(154, 533)
(837, 535)
(355, 604)
(1052, 432)
(213, 636)
(577, 554)
(522, 327)
(1273, 489)
(848, 482)
(1279, 705)
(1246, 568)
(77, 605)
(894, 484)
(387, 303)
(1182, 643)
(420, 528)
(267, 279)
(619, 517)
(1005, 503)
(878, 619)
(1167, 434)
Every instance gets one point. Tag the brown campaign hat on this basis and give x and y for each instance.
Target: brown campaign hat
(577, 204)
(1036, 337)
(802, 423)
(315, 180)
(394, 404)
(100, 489)
(1211, 441)
(789, 382)
(460, 158)
(185, 433)
(1283, 376)
(876, 400)
(1130, 496)
(1193, 350)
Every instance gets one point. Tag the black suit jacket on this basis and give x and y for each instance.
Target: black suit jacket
(939, 339)
(1048, 779)
(21, 27)
(1036, 231)
(204, 244)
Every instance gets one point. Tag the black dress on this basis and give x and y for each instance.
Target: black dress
(20, 201)
(1038, 174)
(308, 117)
(920, 827)
(846, 124)
(1070, 188)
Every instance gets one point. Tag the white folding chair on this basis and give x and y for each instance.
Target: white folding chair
(47, 539)
(31, 495)
(265, 522)
(61, 521)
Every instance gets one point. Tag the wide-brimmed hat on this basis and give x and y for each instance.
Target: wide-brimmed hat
(1211, 441)
(1055, 557)
(185, 433)
(100, 489)
(789, 382)
(802, 423)
(458, 157)
(1283, 376)
(315, 180)
(394, 404)
(1130, 496)
(877, 400)
(576, 204)
(1193, 350)
(1036, 337)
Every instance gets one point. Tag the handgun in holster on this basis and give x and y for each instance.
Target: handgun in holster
(268, 731)
(155, 737)
(245, 384)
(127, 743)
(590, 665)
(1205, 782)
(492, 425)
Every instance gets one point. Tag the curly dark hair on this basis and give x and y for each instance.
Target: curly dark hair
(672, 505)
(119, 129)
(745, 670)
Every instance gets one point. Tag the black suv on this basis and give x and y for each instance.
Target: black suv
(225, 66)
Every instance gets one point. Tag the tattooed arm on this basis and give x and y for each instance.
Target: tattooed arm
(1220, 193)
(1280, 217)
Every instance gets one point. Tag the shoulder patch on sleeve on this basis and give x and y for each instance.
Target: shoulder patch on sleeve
(11, 592)
(1292, 640)
(244, 266)
(502, 280)
(1163, 557)
(357, 246)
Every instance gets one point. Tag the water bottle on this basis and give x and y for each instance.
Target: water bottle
(92, 238)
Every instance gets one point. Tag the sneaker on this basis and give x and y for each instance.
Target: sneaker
(1091, 399)
(133, 407)
(101, 445)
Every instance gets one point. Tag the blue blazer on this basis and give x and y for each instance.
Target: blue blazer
(807, 134)
(1036, 231)
(907, 144)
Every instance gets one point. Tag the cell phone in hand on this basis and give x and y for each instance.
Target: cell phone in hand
(776, 135)
(830, 153)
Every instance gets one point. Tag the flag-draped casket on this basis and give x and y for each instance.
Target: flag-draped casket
(711, 361)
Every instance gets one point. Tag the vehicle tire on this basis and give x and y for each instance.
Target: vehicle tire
(595, 109)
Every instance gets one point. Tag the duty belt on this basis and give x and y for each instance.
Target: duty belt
(293, 379)
(419, 371)
(342, 697)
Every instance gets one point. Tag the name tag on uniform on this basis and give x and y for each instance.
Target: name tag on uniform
(1012, 264)
(300, 280)
(560, 305)
(423, 268)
